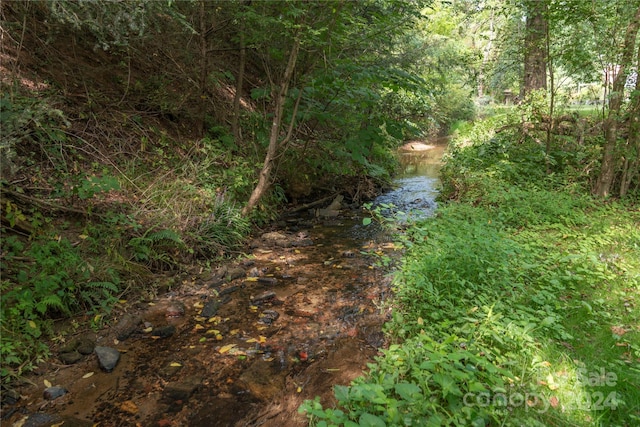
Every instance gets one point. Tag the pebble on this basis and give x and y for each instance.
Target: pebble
(107, 357)
(264, 297)
(51, 393)
(126, 326)
(164, 331)
(70, 358)
(267, 317)
(210, 309)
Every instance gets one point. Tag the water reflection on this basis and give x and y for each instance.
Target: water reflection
(416, 186)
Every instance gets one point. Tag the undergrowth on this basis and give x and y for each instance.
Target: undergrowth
(517, 304)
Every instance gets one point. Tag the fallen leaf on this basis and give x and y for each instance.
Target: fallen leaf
(87, 375)
(553, 401)
(175, 364)
(226, 348)
(234, 332)
(198, 304)
(147, 330)
(251, 279)
(47, 383)
(198, 327)
(129, 406)
(251, 340)
(620, 331)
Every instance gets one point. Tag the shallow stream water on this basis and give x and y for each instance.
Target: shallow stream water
(246, 344)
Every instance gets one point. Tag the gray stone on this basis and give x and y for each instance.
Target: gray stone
(70, 358)
(164, 331)
(51, 393)
(210, 309)
(267, 317)
(107, 357)
(268, 280)
(264, 297)
(85, 346)
(181, 390)
(126, 326)
(235, 273)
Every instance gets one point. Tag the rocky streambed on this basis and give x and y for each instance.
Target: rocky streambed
(241, 345)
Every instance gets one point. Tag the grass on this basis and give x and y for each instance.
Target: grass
(518, 306)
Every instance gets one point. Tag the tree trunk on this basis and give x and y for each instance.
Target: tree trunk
(610, 125)
(264, 180)
(632, 152)
(235, 121)
(204, 71)
(535, 56)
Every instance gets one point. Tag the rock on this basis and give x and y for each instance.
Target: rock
(267, 280)
(181, 390)
(70, 358)
(274, 237)
(126, 326)
(164, 331)
(303, 242)
(9, 396)
(228, 290)
(85, 346)
(51, 393)
(264, 297)
(107, 357)
(267, 317)
(210, 309)
(175, 309)
(235, 273)
(40, 419)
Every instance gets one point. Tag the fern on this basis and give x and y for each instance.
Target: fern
(165, 234)
(51, 301)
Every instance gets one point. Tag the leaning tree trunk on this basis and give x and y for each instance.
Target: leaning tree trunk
(264, 181)
(610, 125)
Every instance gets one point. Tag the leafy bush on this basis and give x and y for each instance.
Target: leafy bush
(55, 281)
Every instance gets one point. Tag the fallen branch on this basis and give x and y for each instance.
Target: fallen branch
(312, 204)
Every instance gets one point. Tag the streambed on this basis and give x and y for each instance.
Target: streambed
(246, 344)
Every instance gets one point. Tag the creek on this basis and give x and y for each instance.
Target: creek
(246, 344)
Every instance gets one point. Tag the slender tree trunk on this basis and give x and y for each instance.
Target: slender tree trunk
(204, 71)
(610, 125)
(264, 180)
(235, 121)
(552, 100)
(535, 56)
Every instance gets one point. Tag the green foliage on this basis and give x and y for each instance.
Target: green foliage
(56, 281)
(32, 129)
(223, 230)
(156, 247)
(508, 306)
